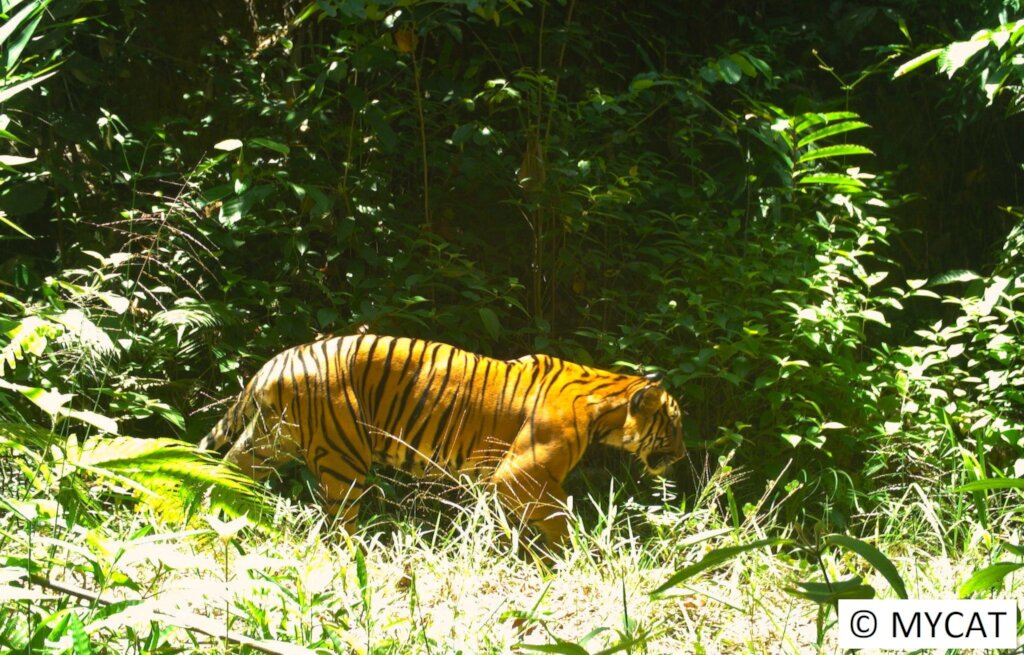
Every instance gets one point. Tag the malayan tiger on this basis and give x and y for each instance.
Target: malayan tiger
(343, 403)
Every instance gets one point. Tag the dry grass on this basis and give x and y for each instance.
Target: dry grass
(464, 587)
(474, 593)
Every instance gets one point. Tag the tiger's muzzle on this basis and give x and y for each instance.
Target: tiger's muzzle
(658, 463)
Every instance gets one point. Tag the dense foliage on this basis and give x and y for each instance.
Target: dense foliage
(807, 214)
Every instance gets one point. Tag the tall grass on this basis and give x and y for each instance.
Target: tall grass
(454, 581)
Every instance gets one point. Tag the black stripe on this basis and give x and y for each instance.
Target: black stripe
(398, 404)
(364, 383)
(427, 391)
(460, 399)
(343, 444)
(415, 440)
(304, 402)
(382, 384)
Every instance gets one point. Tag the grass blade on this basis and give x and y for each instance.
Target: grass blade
(917, 62)
(8, 92)
(713, 559)
(989, 577)
(562, 649)
(14, 226)
(874, 557)
(8, 28)
(989, 484)
(15, 48)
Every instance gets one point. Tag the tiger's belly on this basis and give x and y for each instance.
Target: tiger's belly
(478, 459)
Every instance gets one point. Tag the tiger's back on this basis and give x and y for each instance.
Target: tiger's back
(343, 403)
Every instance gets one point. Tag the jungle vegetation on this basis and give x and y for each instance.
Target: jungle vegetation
(807, 214)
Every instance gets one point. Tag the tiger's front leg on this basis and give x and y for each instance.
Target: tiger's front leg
(532, 492)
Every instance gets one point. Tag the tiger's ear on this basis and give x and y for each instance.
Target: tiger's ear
(645, 400)
(655, 376)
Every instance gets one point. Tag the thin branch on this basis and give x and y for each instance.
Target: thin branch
(193, 622)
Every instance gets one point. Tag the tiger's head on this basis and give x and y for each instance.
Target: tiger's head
(653, 430)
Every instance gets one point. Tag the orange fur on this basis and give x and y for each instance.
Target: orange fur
(344, 403)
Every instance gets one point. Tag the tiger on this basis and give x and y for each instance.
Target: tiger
(342, 404)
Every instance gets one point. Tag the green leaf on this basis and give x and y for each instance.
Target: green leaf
(917, 62)
(874, 557)
(170, 414)
(807, 121)
(116, 302)
(226, 531)
(831, 116)
(237, 208)
(713, 559)
(834, 151)
(6, 221)
(956, 55)
(960, 275)
(989, 484)
(640, 84)
(51, 402)
(563, 648)
(793, 440)
(104, 423)
(874, 315)
(989, 577)
(228, 145)
(14, 160)
(831, 130)
(826, 593)
(773, 145)
(13, 50)
(759, 64)
(11, 24)
(1014, 548)
(8, 92)
(363, 577)
(740, 59)
(729, 71)
(832, 179)
(79, 636)
(490, 321)
(270, 145)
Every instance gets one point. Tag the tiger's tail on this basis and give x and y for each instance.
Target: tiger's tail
(223, 435)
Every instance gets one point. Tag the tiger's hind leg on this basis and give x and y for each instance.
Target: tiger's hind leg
(264, 446)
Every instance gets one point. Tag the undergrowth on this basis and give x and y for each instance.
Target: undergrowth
(710, 211)
(647, 574)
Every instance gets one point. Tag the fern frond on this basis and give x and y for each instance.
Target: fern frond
(24, 438)
(84, 336)
(31, 335)
(187, 315)
(167, 476)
